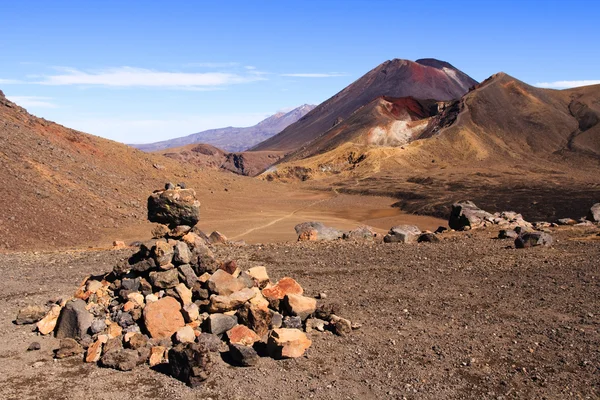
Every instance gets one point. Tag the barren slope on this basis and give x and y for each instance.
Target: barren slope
(505, 143)
(423, 79)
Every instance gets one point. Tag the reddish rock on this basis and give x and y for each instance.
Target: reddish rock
(163, 317)
(48, 323)
(283, 287)
(217, 238)
(241, 334)
(309, 235)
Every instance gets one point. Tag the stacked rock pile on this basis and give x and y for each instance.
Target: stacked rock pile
(173, 303)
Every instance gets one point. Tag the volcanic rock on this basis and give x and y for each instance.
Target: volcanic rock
(162, 318)
(185, 335)
(174, 207)
(182, 254)
(292, 322)
(221, 304)
(163, 252)
(402, 234)
(190, 312)
(33, 346)
(74, 320)
(221, 323)
(507, 234)
(241, 334)
(299, 305)
(223, 283)
(68, 347)
(360, 233)
(594, 213)
(341, 326)
(30, 315)
(190, 363)
(243, 355)
(287, 343)
(121, 359)
(428, 237)
(157, 355)
(466, 215)
(283, 287)
(532, 239)
(217, 238)
(322, 232)
(164, 279)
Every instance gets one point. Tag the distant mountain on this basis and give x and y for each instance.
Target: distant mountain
(421, 79)
(231, 138)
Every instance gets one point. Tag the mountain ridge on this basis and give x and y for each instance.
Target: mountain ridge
(233, 139)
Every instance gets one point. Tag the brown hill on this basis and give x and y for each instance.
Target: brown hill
(207, 156)
(234, 139)
(505, 144)
(423, 79)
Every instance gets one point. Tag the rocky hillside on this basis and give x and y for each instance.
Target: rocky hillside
(234, 139)
(422, 79)
(503, 143)
(63, 188)
(248, 163)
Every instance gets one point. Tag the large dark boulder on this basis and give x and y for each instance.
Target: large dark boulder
(466, 215)
(190, 363)
(74, 320)
(174, 207)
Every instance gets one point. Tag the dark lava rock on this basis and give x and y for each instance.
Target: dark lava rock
(74, 320)
(173, 207)
(34, 346)
(190, 363)
(466, 215)
(292, 322)
(245, 356)
(121, 359)
(428, 238)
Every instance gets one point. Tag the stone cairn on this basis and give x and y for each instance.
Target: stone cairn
(173, 303)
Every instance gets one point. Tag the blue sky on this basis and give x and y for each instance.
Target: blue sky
(139, 72)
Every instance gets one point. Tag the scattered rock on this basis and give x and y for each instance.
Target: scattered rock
(185, 335)
(157, 355)
(163, 317)
(341, 326)
(566, 221)
(292, 322)
(30, 315)
(594, 213)
(532, 239)
(360, 233)
(34, 346)
(241, 334)
(507, 234)
(287, 343)
(221, 304)
(281, 289)
(321, 231)
(221, 323)
(121, 359)
(68, 347)
(245, 356)
(316, 324)
(160, 231)
(190, 363)
(300, 305)
(223, 283)
(164, 279)
(217, 238)
(466, 215)
(259, 275)
(402, 234)
(428, 237)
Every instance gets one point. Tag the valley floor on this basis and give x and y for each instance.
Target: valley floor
(468, 318)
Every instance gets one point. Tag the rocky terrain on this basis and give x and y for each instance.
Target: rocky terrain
(250, 163)
(232, 139)
(470, 317)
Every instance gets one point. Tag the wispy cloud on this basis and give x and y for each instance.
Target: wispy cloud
(141, 77)
(316, 75)
(566, 84)
(212, 64)
(33, 101)
(10, 81)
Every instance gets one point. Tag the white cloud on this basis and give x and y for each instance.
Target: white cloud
(316, 75)
(140, 77)
(32, 101)
(566, 84)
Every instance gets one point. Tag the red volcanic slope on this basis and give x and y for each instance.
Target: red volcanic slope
(423, 79)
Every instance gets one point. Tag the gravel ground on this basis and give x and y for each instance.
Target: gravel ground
(470, 317)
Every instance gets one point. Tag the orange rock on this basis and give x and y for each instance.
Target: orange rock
(308, 235)
(163, 317)
(241, 334)
(284, 286)
(301, 306)
(287, 343)
(130, 305)
(48, 323)
(94, 352)
(157, 355)
(114, 330)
